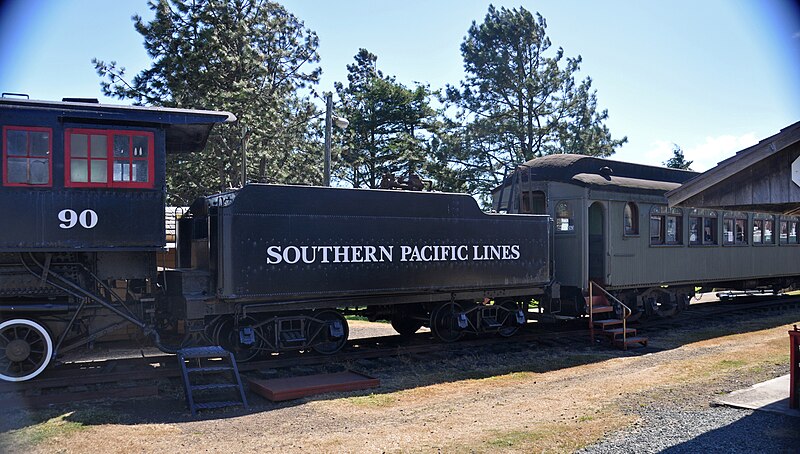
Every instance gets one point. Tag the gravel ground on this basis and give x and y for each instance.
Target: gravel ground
(715, 429)
(517, 399)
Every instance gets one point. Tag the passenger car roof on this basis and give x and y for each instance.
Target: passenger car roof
(601, 173)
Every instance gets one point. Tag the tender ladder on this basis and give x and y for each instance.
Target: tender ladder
(208, 372)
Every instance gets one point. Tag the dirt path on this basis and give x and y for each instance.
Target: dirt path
(548, 400)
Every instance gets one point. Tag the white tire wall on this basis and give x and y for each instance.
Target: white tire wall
(46, 342)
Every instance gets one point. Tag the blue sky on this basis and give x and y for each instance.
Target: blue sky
(713, 76)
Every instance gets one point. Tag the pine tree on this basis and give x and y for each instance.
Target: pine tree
(678, 161)
(390, 127)
(252, 58)
(520, 99)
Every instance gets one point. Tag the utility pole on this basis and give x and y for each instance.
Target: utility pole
(326, 181)
(245, 136)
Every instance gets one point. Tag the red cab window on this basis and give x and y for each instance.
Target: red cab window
(27, 156)
(102, 158)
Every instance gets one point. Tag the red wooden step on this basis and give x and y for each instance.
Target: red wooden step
(597, 300)
(618, 331)
(601, 309)
(631, 341)
(606, 323)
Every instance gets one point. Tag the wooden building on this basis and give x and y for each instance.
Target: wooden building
(764, 177)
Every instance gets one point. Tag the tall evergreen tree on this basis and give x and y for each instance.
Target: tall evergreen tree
(390, 124)
(678, 160)
(250, 57)
(520, 99)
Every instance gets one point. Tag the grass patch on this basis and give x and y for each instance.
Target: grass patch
(731, 363)
(683, 337)
(569, 435)
(39, 427)
(373, 400)
(512, 377)
(514, 438)
(361, 318)
(36, 434)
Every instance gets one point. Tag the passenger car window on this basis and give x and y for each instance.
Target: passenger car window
(734, 229)
(758, 228)
(788, 232)
(763, 229)
(534, 202)
(710, 230)
(630, 219)
(769, 231)
(666, 226)
(695, 230)
(702, 227)
(564, 217)
(656, 230)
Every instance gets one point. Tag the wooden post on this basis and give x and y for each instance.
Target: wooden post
(794, 368)
(591, 313)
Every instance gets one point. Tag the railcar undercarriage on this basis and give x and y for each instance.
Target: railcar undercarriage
(61, 303)
(326, 331)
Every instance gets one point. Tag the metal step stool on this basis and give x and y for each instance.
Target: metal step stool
(215, 364)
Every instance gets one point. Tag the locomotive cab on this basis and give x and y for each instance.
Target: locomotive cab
(83, 197)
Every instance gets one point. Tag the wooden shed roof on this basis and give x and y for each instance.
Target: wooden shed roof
(758, 178)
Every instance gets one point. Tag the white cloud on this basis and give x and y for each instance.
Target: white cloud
(715, 149)
(658, 152)
(704, 155)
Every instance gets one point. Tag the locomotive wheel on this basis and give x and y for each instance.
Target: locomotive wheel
(331, 342)
(226, 335)
(509, 318)
(406, 326)
(444, 322)
(25, 349)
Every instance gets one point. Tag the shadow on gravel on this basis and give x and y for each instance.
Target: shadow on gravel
(396, 373)
(758, 432)
(688, 328)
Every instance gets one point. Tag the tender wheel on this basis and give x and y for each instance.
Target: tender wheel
(657, 302)
(332, 335)
(634, 316)
(633, 304)
(444, 322)
(25, 349)
(507, 315)
(406, 326)
(236, 338)
(683, 302)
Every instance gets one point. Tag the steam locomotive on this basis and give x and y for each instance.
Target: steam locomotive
(271, 268)
(261, 268)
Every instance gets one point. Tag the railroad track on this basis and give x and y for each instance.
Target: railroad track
(139, 377)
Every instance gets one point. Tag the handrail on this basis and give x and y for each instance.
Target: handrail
(626, 312)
